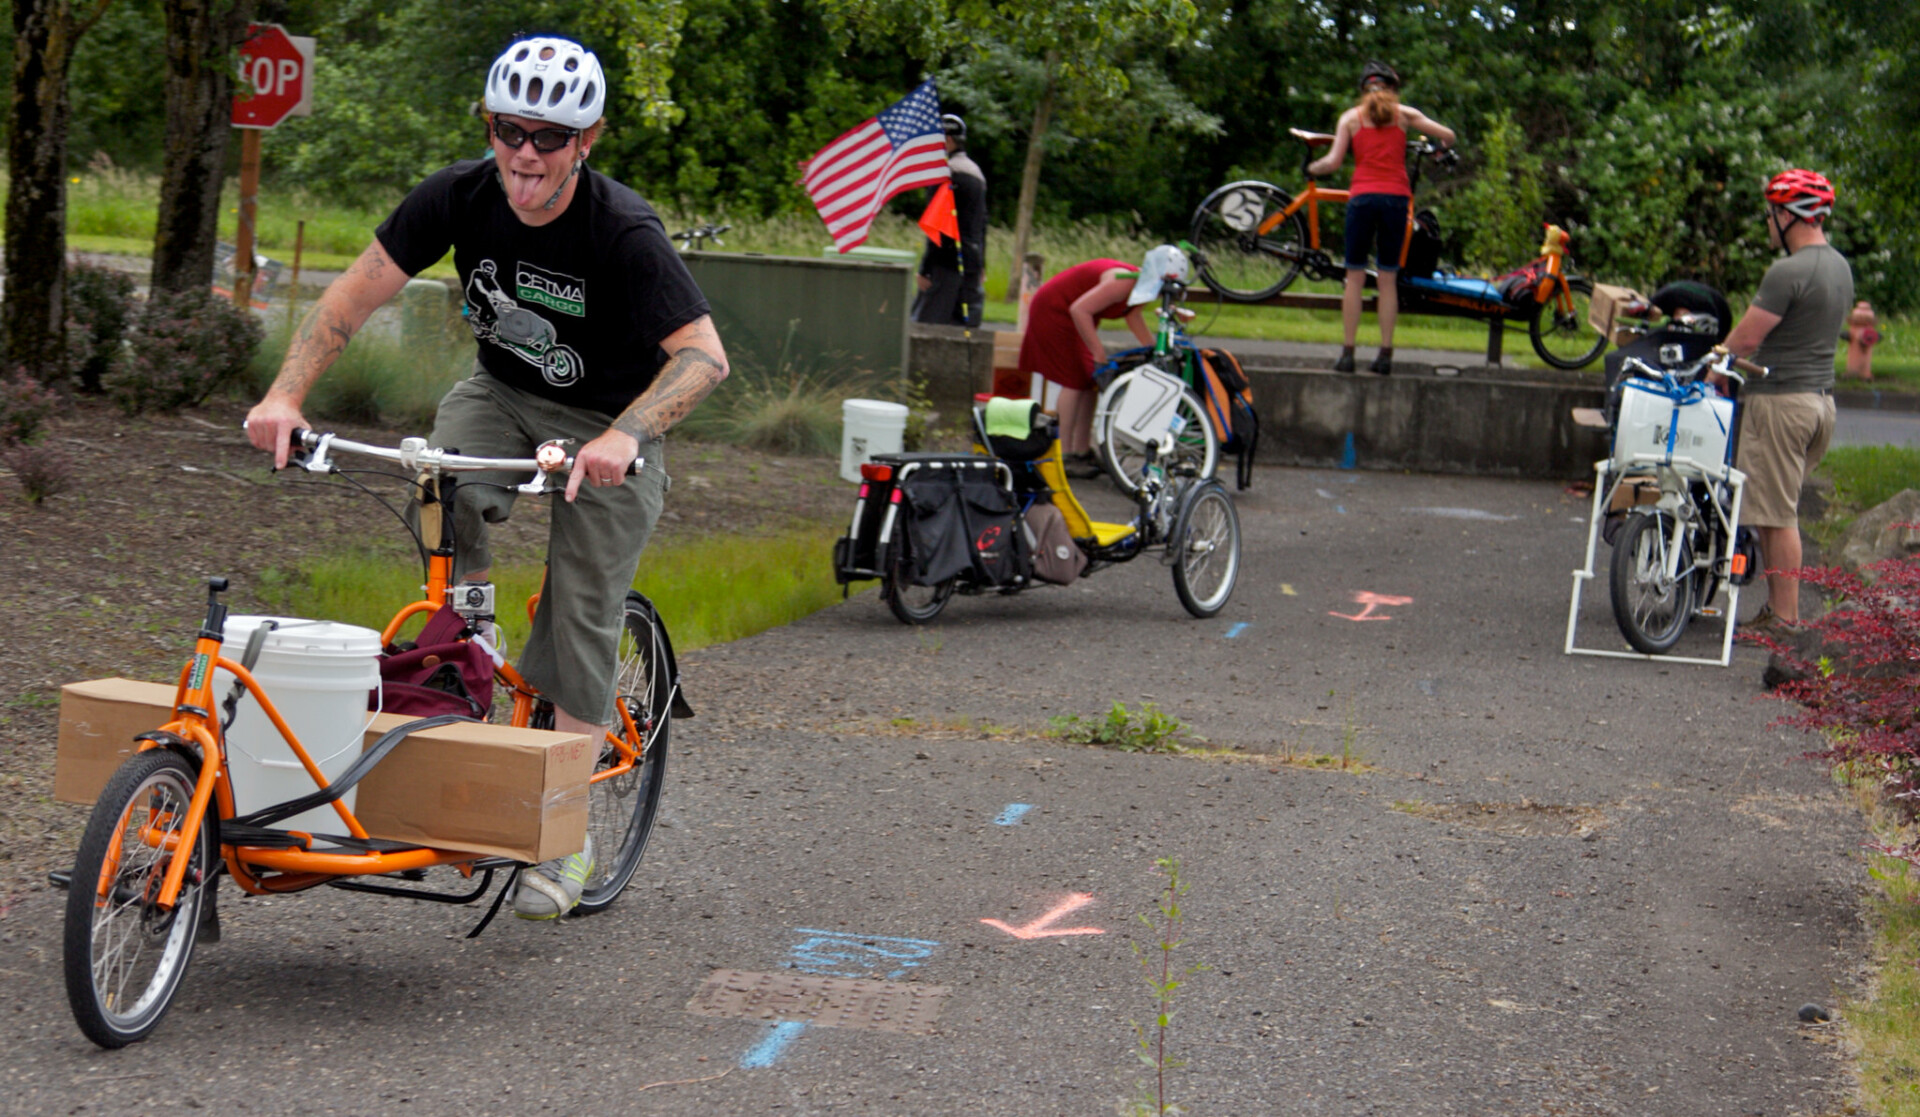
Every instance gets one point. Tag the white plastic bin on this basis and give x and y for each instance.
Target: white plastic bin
(318, 675)
(1705, 425)
(870, 427)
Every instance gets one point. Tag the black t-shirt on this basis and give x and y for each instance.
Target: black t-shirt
(574, 310)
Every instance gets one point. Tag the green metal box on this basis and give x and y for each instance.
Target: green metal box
(805, 314)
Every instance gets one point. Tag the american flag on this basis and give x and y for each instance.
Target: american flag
(852, 177)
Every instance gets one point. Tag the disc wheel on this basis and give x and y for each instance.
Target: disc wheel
(1653, 589)
(1237, 258)
(1561, 333)
(910, 603)
(1196, 449)
(621, 808)
(124, 953)
(1206, 549)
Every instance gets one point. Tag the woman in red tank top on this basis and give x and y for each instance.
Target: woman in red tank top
(1380, 199)
(1062, 343)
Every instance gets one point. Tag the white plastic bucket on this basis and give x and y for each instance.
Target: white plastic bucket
(318, 675)
(869, 427)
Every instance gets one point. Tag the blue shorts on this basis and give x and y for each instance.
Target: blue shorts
(1376, 222)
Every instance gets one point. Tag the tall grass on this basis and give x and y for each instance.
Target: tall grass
(378, 378)
(709, 589)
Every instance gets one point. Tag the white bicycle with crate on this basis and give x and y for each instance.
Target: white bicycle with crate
(1668, 499)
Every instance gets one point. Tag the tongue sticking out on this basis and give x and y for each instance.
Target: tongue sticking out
(524, 190)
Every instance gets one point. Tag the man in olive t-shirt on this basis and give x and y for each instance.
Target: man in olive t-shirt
(1791, 328)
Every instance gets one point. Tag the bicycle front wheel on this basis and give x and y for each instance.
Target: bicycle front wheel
(1561, 333)
(1196, 449)
(124, 953)
(621, 807)
(1652, 582)
(1238, 260)
(1206, 549)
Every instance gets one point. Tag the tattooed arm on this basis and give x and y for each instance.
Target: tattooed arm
(696, 363)
(342, 310)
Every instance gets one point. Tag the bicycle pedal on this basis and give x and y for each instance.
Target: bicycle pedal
(1711, 613)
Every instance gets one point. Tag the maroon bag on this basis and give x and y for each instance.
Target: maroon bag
(440, 674)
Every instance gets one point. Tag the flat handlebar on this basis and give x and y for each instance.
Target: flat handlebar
(414, 454)
(1740, 363)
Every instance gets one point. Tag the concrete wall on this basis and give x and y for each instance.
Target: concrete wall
(1495, 421)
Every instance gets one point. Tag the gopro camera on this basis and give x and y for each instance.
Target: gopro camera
(1669, 355)
(472, 600)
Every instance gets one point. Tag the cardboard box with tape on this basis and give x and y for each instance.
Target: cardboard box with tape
(491, 789)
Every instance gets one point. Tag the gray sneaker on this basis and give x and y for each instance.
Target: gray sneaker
(550, 889)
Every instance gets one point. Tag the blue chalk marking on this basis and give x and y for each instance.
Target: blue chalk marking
(1014, 813)
(844, 954)
(1340, 508)
(1237, 629)
(1348, 459)
(770, 1048)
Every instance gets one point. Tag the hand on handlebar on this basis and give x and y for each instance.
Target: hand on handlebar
(603, 462)
(270, 424)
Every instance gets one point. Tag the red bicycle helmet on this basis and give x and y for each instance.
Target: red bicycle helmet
(1805, 194)
(1375, 69)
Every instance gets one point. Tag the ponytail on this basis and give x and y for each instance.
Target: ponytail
(1380, 106)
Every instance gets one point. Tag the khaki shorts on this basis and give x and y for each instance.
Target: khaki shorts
(1782, 437)
(593, 544)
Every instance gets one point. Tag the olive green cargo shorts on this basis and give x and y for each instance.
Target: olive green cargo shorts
(593, 544)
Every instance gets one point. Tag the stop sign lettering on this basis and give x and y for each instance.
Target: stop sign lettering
(275, 78)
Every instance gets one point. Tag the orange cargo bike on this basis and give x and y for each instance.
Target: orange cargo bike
(142, 891)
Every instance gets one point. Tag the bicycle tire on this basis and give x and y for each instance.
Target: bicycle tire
(1206, 549)
(1238, 263)
(113, 931)
(621, 809)
(1196, 448)
(1566, 339)
(911, 604)
(1652, 618)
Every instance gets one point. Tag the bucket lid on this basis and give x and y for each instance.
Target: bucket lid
(299, 636)
(873, 408)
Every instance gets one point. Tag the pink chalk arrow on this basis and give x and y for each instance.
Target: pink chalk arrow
(1041, 929)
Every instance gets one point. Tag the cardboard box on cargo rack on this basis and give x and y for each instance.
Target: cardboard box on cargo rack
(492, 789)
(98, 722)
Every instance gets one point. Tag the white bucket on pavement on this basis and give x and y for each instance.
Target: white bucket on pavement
(870, 427)
(318, 675)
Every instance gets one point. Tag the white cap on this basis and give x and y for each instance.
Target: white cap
(1162, 263)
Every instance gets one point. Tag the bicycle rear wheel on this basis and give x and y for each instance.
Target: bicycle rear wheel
(1206, 549)
(911, 604)
(621, 809)
(1238, 261)
(1652, 587)
(1560, 331)
(124, 954)
(1196, 449)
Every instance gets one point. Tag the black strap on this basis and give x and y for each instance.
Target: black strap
(356, 772)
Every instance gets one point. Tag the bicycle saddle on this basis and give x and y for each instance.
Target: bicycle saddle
(1312, 139)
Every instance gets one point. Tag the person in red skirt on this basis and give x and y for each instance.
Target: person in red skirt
(1062, 341)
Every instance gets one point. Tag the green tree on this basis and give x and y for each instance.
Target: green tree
(201, 38)
(1505, 199)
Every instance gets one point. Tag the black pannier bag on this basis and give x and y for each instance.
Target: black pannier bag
(997, 549)
(938, 546)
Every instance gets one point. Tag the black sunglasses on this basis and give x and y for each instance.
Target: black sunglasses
(544, 139)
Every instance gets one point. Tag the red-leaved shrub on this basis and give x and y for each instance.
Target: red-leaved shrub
(24, 405)
(183, 346)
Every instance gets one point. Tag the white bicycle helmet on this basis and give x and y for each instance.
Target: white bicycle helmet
(548, 79)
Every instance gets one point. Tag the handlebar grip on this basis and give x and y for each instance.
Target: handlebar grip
(1740, 363)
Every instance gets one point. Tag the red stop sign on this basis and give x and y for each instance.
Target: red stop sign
(275, 78)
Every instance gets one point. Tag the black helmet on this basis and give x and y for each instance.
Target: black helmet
(1378, 69)
(953, 126)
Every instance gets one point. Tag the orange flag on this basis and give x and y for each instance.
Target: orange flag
(941, 216)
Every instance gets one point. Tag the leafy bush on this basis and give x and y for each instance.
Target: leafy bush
(185, 345)
(99, 305)
(1505, 201)
(24, 405)
(41, 470)
(1853, 675)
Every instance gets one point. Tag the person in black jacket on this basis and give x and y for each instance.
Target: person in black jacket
(953, 277)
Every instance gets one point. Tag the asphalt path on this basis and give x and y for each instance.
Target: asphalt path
(1559, 885)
